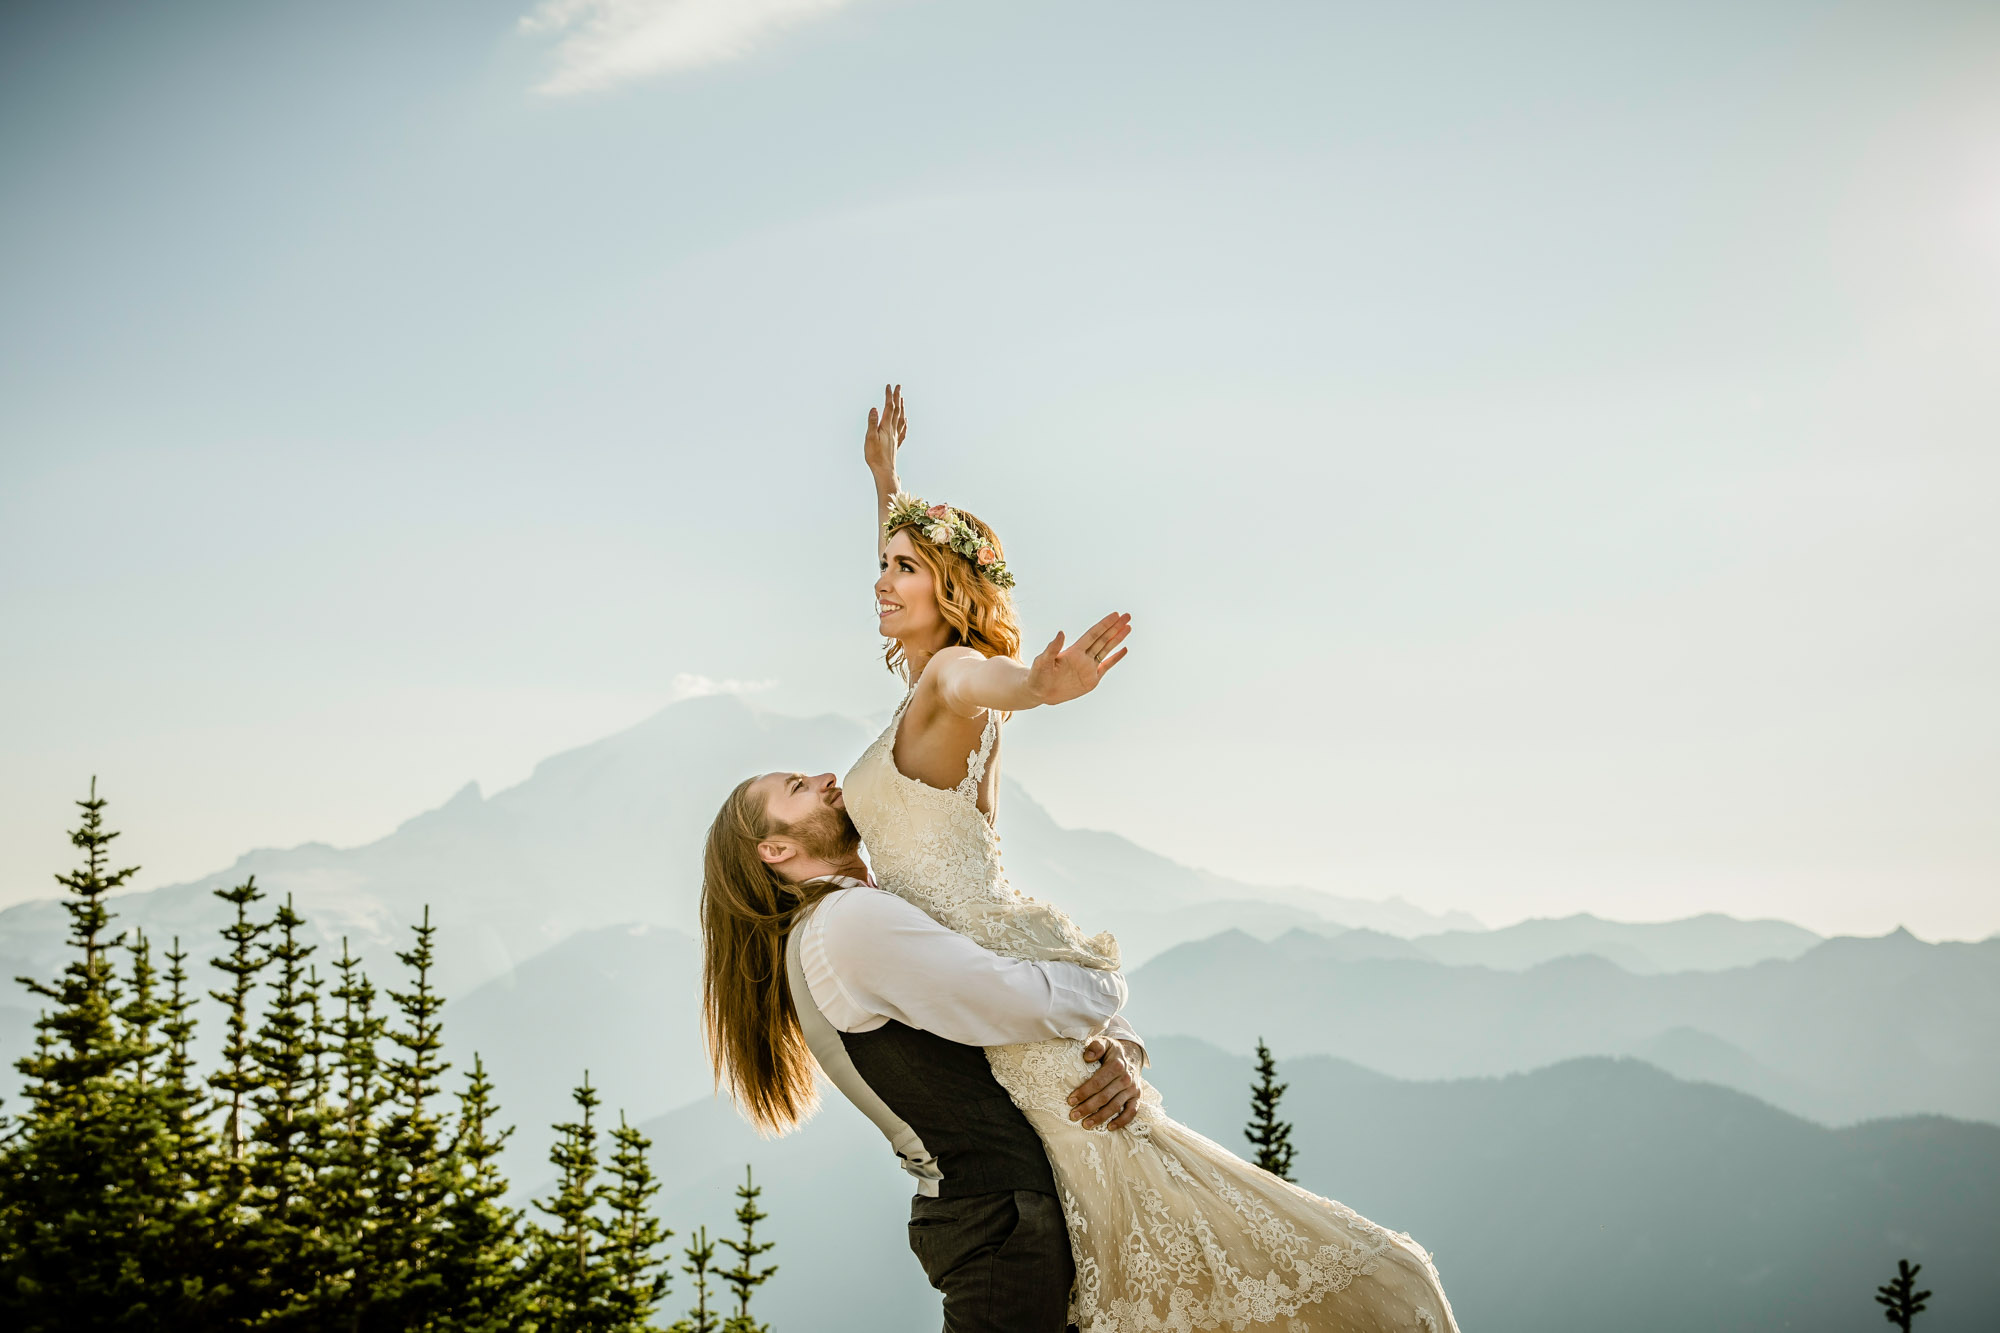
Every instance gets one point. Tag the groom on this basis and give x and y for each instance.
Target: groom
(895, 1009)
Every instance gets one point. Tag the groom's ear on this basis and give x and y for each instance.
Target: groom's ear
(775, 853)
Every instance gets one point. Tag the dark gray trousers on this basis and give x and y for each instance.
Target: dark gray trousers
(1001, 1260)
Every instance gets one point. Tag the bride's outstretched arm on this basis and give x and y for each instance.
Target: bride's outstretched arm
(886, 428)
(969, 682)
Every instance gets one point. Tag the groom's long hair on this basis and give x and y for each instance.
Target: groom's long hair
(755, 1044)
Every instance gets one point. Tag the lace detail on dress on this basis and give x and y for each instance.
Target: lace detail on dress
(944, 856)
(1171, 1232)
(975, 767)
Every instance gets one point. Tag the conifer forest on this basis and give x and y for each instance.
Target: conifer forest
(332, 1172)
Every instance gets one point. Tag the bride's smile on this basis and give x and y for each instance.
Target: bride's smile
(906, 598)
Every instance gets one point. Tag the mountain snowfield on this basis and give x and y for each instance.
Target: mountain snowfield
(1421, 1048)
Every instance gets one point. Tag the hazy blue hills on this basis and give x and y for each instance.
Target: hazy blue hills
(1707, 943)
(537, 892)
(1606, 1194)
(1591, 1195)
(620, 1002)
(610, 833)
(1851, 1029)
(1856, 1028)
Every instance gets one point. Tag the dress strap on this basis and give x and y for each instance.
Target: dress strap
(975, 767)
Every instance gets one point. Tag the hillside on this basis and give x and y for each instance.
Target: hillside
(1854, 1028)
(639, 988)
(1590, 1195)
(1706, 943)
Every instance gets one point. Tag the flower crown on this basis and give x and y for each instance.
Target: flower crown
(947, 527)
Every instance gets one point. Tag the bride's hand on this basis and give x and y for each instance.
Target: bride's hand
(1061, 674)
(886, 428)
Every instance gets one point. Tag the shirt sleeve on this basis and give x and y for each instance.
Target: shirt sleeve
(1118, 1029)
(870, 957)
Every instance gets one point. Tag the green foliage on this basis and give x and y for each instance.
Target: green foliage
(700, 1254)
(746, 1277)
(631, 1233)
(1271, 1136)
(409, 1173)
(1899, 1297)
(573, 1285)
(345, 1177)
(315, 1180)
(480, 1250)
(90, 1204)
(286, 1252)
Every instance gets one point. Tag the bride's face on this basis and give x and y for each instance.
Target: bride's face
(906, 593)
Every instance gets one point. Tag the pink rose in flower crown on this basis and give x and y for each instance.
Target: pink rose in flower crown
(938, 511)
(987, 555)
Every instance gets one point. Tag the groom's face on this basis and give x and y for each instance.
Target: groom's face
(811, 812)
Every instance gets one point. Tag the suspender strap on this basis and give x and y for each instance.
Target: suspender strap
(831, 1053)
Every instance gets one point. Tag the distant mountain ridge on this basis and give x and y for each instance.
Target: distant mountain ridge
(537, 891)
(1851, 1029)
(1856, 1028)
(1710, 942)
(1589, 1195)
(610, 833)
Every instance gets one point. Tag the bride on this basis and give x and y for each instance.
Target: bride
(1170, 1231)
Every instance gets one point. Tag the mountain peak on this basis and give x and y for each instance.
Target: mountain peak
(467, 800)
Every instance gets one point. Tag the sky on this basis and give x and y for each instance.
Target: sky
(1549, 450)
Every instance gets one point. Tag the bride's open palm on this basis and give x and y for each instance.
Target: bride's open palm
(1061, 674)
(887, 428)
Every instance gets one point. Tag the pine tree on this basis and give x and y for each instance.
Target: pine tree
(1271, 1136)
(700, 1263)
(234, 1235)
(348, 1173)
(574, 1291)
(631, 1233)
(1900, 1299)
(409, 1182)
(185, 1105)
(87, 1197)
(238, 1079)
(287, 1144)
(745, 1277)
(181, 1089)
(480, 1253)
(148, 1107)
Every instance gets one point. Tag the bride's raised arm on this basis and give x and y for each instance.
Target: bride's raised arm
(968, 681)
(886, 428)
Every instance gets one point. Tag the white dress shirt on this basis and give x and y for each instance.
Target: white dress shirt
(870, 957)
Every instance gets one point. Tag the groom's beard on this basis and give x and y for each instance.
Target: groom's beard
(826, 834)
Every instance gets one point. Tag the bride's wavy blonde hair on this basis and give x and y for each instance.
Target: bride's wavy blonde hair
(979, 612)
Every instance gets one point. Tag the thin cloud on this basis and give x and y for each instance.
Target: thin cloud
(600, 43)
(687, 685)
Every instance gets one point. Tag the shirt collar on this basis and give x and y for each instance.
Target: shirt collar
(844, 881)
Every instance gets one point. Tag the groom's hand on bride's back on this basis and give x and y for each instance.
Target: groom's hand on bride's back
(1109, 1098)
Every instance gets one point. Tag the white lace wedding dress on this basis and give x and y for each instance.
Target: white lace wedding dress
(1171, 1231)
